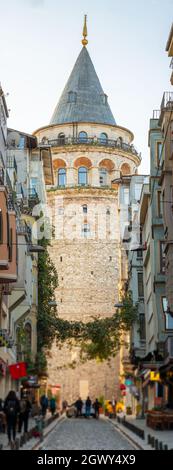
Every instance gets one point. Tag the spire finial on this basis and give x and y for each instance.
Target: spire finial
(85, 32)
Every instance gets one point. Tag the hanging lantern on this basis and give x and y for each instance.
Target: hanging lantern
(122, 387)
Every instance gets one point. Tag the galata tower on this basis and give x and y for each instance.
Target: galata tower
(89, 150)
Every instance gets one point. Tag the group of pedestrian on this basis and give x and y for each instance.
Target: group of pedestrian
(88, 405)
(47, 404)
(14, 412)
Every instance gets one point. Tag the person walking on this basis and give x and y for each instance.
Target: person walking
(88, 407)
(44, 405)
(25, 407)
(78, 405)
(96, 406)
(52, 406)
(11, 409)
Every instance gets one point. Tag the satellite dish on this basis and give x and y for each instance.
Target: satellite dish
(13, 139)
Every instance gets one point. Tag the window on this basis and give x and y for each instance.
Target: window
(138, 188)
(159, 152)
(159, 204)
(61, 138)
(61, 259)
(83, 136)
(168, 318)
(1, 227)
(61, 177)
(72, 97)
(85, 209)
(104, 98)
(33, 183)
(103, 177)
(140, 252)
(140, 285)
(162, 258)
(126, 196)
(85, 230)
(142, 330)
(103, 138)
(82, 176)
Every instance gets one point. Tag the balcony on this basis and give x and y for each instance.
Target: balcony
(23, 229)
(5, 339)
(11, 162)
(166, 104)
(117, 144)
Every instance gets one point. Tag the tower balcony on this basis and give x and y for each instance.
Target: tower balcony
(94, 141)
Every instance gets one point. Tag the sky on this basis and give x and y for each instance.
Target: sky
(41, 39)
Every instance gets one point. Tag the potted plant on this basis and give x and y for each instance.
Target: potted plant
(128, 410)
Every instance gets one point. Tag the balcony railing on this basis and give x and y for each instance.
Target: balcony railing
(167, 100)
(23, 229)
(117, 144)
(11, 162)
(2, 177)
(156, 113)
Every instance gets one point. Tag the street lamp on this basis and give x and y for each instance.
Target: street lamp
(119, 305)
(53, 303)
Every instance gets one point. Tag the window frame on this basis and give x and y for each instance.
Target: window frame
(162, 258)
(82, 170)
(140, 294)
(105, 176)
(60, 175)
(166, 315)
(84, 138)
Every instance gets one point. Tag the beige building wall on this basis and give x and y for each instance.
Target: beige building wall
(89, 268)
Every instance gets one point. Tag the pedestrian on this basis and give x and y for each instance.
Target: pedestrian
(2, 417)
(88, 407)
(25, 408)
(44, 405)
(114, 404)
(64, 406)
(78, 405)
(11, 409)
(52, 405)
(96, 406)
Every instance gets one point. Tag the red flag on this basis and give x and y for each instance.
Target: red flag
(18, 370)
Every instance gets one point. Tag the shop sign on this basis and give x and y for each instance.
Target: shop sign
(154, 376)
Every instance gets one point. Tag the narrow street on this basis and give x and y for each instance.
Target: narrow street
(88, 434)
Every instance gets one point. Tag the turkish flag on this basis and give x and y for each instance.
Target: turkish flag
(18, 370)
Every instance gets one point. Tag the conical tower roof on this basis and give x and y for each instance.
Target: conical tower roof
(83, 99)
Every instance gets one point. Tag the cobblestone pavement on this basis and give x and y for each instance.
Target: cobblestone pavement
(85, 434)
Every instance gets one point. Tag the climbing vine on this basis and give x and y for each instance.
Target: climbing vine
(99, 339)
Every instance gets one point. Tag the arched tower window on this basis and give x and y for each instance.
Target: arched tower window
(125, 169)
(103, 138)
(103, 176)
(72, 96)
(61, 177)
(83, 136)
(61, 138)
(82, 176)
(120, 141)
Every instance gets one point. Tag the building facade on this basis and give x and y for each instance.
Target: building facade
(89, 150)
